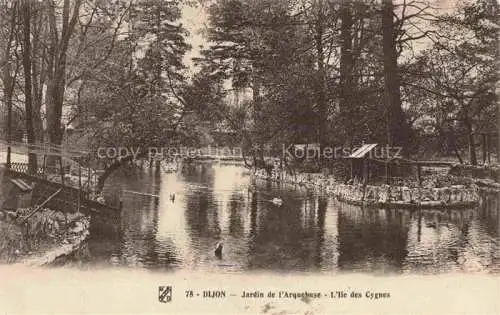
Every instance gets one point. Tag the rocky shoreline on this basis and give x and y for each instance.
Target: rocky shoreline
(71, 245)
(453, 196)
(46, 237)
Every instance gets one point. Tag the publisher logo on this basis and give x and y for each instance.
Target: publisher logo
(165, 294)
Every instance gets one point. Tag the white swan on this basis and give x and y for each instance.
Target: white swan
(277, 201)
(100, 199)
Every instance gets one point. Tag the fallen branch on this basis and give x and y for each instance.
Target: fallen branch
(141, 193)
(40, 206)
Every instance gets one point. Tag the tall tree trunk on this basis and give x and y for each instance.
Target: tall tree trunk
(471, 142)
(54, 99)
(7, 78)
(472, 149)
(257, 116)
(346, 68)
(56, 67)
(397, 128)
(321, 88)
(498, 132)
(8, 89)
(38, 72)
(26, 8)
(158, 73)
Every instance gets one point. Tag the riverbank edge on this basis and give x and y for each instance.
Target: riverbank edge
(58, 253)
(486, 174)
(384, 196)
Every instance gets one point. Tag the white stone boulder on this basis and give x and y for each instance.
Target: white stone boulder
(383, 194)
(395, 193)
(426, 194)
(436, 193)
(415, 195)
(455, 195)
(445, 195)
(406, 194)
(371, 193)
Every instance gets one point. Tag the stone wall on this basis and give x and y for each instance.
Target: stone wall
(454, 196)
(384, 195)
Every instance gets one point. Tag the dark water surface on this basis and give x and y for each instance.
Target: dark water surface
(309, 232)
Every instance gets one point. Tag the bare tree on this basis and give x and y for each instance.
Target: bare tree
(60, 35)
(9, 15)
(26, 53)
(346, 65)
(397, 129)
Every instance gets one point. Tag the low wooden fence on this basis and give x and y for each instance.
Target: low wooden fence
(41, 171)
(69, 199)
(23, 168)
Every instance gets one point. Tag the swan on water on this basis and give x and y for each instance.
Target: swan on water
(100, 199)
(218, 249)
(277, 201)
(431, 225)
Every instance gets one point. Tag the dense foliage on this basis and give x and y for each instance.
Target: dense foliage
(273, 72)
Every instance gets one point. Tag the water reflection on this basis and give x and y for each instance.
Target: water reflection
(457, 240)
(309, 232)
(372, 239)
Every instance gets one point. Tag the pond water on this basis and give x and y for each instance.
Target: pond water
(309, 232)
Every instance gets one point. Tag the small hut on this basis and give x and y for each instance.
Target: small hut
(369, 165)
(360, 163)
(18, 194)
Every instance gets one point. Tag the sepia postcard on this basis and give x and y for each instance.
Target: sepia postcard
(249, 157)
